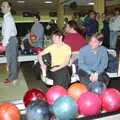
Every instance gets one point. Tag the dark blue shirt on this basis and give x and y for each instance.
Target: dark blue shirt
(91, 26)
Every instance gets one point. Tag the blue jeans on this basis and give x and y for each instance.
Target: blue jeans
(113, 39)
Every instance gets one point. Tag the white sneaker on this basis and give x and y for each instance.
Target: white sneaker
(14, 82)
(74, 78)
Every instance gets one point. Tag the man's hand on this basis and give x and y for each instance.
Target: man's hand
(94, 77)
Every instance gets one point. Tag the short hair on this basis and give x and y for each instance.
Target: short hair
(92, 11)
(98, 36)
(117, 9)
(8, 1)
(73, 24)
(58, 33)
(37, 16)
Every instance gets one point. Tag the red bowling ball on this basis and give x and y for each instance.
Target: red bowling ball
(110, 100)
(54, 93)
(32, 95)
(89, 104)
(33, 37)
(2, 49)
(37, 50)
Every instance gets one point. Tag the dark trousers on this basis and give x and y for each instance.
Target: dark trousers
(84, 78)
(11, 55)
(60, 77)
(27, 46)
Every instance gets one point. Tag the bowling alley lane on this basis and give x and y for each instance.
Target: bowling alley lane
(26, 80)
(12, 92)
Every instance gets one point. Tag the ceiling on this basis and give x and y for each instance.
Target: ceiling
(41, 6)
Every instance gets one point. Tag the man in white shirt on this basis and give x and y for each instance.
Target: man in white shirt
(10, 42)
(114, 29)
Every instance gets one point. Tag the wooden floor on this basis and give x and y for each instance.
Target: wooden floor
(26, 80)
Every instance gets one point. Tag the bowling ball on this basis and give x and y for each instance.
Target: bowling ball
(76, 90)
(9, 111)
(97, 87)
(32, 95)
(2, 49)
(54, 93)
(38, 110)
(65, 108)
(36, 50)
(33, 37)
(89, 104)
(110, 100)
(0, 42)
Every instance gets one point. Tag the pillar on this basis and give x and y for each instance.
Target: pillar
(60, 13)
(99, 6)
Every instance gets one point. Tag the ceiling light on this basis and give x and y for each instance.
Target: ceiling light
(48, 2)
(91, 3)
(21, 1)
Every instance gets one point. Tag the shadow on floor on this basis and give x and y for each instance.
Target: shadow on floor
(30, 77)
(115, 83)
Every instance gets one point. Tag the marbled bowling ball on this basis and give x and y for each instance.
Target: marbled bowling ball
(38, 110)
(32, 95)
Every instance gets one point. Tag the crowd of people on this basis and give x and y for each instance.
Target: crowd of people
(84, 36)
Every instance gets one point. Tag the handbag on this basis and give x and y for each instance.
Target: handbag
(47, 60)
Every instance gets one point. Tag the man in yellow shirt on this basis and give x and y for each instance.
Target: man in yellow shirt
(60, 57)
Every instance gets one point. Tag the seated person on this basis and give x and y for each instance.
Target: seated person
(35, 38)
(73, 37)
(92, 61)
(60, 57)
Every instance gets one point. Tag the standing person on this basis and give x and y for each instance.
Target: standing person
(10, 42)
(92, 61)
(106, 31)
(91, 24)
(114, 28)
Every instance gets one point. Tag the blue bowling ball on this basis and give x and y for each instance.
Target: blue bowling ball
(65, 108)
(97, 87)
(38, 110)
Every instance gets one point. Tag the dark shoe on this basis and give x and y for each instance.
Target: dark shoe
(9, 82)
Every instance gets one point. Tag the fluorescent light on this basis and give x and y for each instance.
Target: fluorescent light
(21, 1)
(48, 2)
(91, 3)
